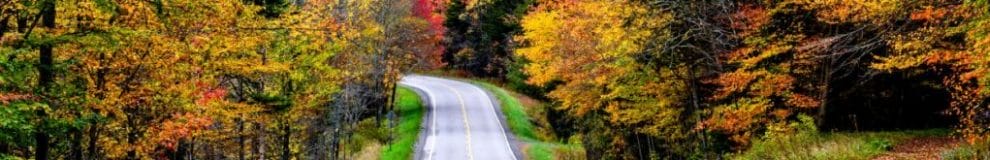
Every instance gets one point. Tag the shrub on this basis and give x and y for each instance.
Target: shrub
(970, 151)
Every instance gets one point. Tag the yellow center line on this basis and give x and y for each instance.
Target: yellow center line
(467, 125)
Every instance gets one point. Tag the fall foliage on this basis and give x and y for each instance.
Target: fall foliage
(626, 79)
(692, 78)
(191, 79)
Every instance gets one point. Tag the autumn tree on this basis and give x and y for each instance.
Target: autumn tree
(737, 71)
(950, 38)
(767, 71)
(973, 95)
(619, 101)
(194, 80)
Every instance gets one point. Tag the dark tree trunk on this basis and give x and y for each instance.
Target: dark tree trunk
(46, 76)
(190, 153)
(94, 128)
(4, 148)
(93, 136)
(45, 79)
(22, 22)
(3, 25)
(41, 140)
(826, 79)
(285, 142)
(131, 137)
(180, 151)
(76, 149)
(240, 138)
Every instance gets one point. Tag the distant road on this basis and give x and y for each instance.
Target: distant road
(463, 122)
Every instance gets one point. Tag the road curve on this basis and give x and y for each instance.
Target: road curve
(463, 122)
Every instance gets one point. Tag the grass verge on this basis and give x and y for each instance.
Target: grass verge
(969, 151)
(839, 145)
(407, 131)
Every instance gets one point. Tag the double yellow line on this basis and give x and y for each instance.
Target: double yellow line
(467, 124)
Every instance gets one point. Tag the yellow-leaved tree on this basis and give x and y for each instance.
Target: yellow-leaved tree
(591, 49)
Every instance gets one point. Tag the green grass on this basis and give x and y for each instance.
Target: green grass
(552, 150)
(969, 151)
(840, 145)
(410, 117)
(366, 140)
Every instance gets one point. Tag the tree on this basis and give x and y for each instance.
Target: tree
(730, 72)
(479, 35)
(970, 84)
(617, 98)
(189, 80)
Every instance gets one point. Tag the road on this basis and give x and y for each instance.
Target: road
(463, 122)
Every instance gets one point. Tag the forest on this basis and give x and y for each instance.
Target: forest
(193, 79)
(596, 79)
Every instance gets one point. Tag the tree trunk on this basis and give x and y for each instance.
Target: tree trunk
(94, 128)
(285, 142)
(180, 151)
(45, 79)
(93, 136)
(22, 22)
(240, 138)
(132, 134)
(334, 147)
(192, 148)
(696, 106)
(258, 143)
(131, 140)
(823, 95)
(3, 25)
(76, 145)
(41, 140)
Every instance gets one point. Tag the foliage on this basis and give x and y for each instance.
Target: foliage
(479, 34)
(579, 44)
(271, 8)
(172, 79)
(973, 85)
(711, 76)
(430, 11)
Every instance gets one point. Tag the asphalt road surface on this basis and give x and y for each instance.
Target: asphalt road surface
(463, 122)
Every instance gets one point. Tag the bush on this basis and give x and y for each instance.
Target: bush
(972, 151)
(807, 143)
(515, 79)
(880, 144)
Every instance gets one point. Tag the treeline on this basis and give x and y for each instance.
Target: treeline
(646, 79)
(193, 79)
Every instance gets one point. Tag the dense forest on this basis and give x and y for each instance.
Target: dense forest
(696, 79)
(193, 79)
(626, 79)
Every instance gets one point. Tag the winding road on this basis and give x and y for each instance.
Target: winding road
(463, 122)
